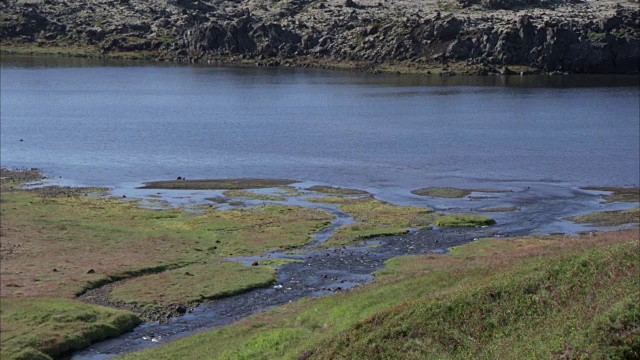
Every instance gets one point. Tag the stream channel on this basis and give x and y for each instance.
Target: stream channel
(318, 271)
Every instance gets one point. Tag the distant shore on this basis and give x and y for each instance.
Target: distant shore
(401, 36)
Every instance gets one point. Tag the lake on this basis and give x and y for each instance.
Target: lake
(107, 123)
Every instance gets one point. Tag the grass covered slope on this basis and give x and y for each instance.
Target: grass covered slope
(583, 305)
(36, 328)
(528, 297)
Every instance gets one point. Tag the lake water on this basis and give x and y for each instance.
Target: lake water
(107, 123)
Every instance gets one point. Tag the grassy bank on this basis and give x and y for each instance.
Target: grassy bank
(59, 242)
(531, 297)
(39, 328)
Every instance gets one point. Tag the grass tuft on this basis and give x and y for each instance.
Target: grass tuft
(609, 218)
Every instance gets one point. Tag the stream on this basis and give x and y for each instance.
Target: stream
(321, 272)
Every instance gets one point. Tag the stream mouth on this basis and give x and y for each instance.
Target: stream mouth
(313, 271)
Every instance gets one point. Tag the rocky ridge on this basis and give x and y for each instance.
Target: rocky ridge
(480, 36)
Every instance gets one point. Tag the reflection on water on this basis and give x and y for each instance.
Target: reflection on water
(103, 122)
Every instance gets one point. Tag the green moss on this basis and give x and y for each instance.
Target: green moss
(116, 238)
(454, 220)
(193, 283)
(594, 36)
(355, 233)
(33, 327)
(618, 194)
(442, 192)
(252, 195)
(331, 200)
(609, 218)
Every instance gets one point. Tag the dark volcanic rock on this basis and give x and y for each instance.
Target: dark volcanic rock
(544, 35)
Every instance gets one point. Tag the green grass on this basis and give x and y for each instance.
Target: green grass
(608, 218)
(373, 211)
(355, 233)
(467, 220)
(193, 283)
(57, 243)
(113, 237)
(35, 328)
(252, 195)
(584, 305)
(550, 290)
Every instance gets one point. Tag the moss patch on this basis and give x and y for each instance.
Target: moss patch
(193, 283)
(618, 194)
(609, 218)
(252, 195)
(50, 244)
(373, 211)
(354, 233)
(33, 327)
(218, 184)
(466, 220)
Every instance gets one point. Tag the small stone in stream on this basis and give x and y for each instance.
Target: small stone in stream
(124, 196)
(181, 309)
(179, 178)
(255, 263)
(91, 271)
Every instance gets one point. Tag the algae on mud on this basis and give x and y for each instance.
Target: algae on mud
(446, 192)
(467, 220)
(336, 190)
(608, 218)
(618, 194)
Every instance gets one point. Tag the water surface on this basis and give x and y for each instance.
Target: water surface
(105, 123)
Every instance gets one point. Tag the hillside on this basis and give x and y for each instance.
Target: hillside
(432, 36)
(528, 297)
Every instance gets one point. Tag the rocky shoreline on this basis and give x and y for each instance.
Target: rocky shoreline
(433, 36)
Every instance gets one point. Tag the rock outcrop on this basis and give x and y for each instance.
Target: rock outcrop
(486, 35)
